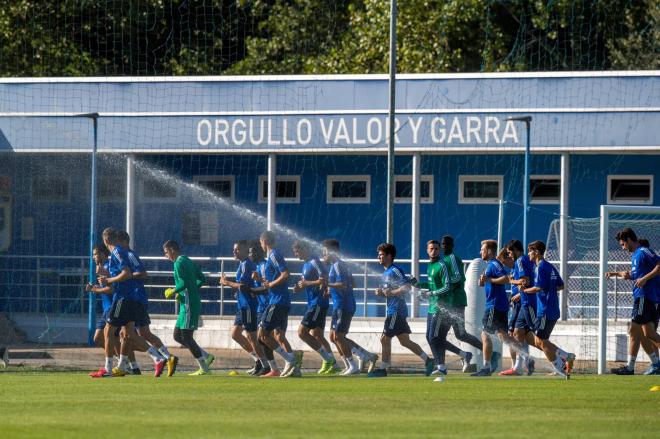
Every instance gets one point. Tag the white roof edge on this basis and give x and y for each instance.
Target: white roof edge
(382, 77)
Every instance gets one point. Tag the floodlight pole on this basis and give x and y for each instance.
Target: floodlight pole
(91, 315)
(392, 127)
(527, 120)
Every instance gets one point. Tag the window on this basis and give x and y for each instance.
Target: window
(403, 189)
(287, 189)
(349, 189)
(480, 189)
(111, 188)
(220, 185)
(51, 188)
(544, 189)
(153, 190)
(637, 189)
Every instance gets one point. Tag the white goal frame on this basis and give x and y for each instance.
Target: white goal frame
(605, 212)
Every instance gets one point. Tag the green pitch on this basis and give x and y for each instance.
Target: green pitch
(69, 405)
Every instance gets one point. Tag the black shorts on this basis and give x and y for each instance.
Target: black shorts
(314, 317)
(495, 321)
(341, 320)
(122, 312)
(275, 317)
(247, 318)
(142, 316)
(543, 328)
(395, 325)
(526, 318)
(100, 324)
(644, 311)
(514, 311)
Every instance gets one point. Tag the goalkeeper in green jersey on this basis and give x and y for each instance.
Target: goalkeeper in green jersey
(188, 279)
(441, 300)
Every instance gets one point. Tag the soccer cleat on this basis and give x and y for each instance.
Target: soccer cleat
(171, 365)
(570, 361)
(623, 370)
(529, 364)
(653, 369)
(510, 372)
(351, 371)
(199, 371)
(295, 373)
(495, 361)
(428, 366)
(134, 371)
(466, 361)
(255, 368)
(210, 358)
(373, 359)
(377, 373)
(288, 368)
(158, 367)
(101, 373)
(117, 372)
(333, 370)
(325, 366)
(297, 359)
(439, 371)
(262, 371)
(271, 374)
(485, 372)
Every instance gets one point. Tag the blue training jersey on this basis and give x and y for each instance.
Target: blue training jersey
(548, 279)
(392, 278)
(245, 299)
(342, 298)
(496, 296)
(137, 285)
(643, 262)
(275, 265)
(313, 270)
(106, 299)
(119, 261)
(524, 267)
(262, 299)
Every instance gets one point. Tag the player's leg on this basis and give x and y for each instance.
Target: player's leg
(404, 339)
(188, 338)
(436, 334)
(386, 351)
(489, 327)
(458, 325)
(239, 338)
(324, 350)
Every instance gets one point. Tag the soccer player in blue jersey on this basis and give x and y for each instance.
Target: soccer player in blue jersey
(256, 254)
(340, 285)
(313, 282)
(272, 328)
(644, 272)
(495, 320)
(394, 286)
(547, 283)
(246, 309)
(525, 315)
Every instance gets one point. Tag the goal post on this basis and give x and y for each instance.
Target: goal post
(605, 212)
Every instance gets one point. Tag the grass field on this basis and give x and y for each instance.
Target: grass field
(68, 405)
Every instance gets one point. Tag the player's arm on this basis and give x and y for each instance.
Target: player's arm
(98, 289)
(502, 280)
(140, 275)
(621, 274)
(282, 278)
(639, 283)
(179, 283)
(124, 275)
(532, 290)
(442, 278)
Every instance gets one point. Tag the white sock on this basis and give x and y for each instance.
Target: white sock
(263, 361)
(123, 361)
(462, 354)
(346, 363)
(385, 364)
(164, 352)
(442, 367)
(288, 356)
(154, 354)
(559, 364)
(654, 358)
(108, 364)
(202, 363)
(423, 356)
(327, 356)
(487, 362)
(254, 356)
(519, 363)
(133, 364)
(631, 362)
(351, 363)
(273, 364)
(359, 352)
(562, 353)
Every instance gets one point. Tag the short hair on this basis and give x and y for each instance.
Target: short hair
(122, 235)
(243, 244)
(388, 249)
(625, 234)
(301, 244)
(490, 244)
(448, 239)
(331, 244)
(515, 244)
(432, 242)
(171, 245)
(100, 248)
(258, 252)
(644, 242)
(109, 234)
(268, 237)
(503, 254)
(539, 246)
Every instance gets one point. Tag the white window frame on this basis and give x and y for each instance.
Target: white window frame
(422, 200)
(544, 177)
(64, 176)
(230, 178)
(280, 200)
(334, 200)
(144, 199)
(462, 179)
(629, 200)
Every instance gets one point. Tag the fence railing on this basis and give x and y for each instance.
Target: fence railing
(55, 284)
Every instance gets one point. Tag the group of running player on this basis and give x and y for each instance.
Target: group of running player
(525, 318)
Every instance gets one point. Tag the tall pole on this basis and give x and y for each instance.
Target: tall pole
(500, 224)
(91, 314)
(414, 233)
(527, 120)
(130, 198)
(272, 162)
(563, 231)
(392, 127)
